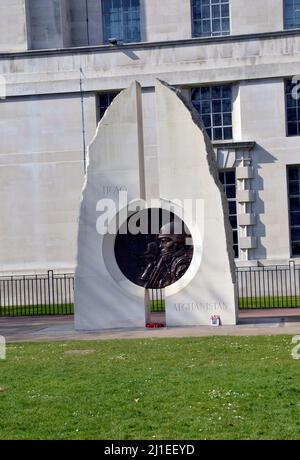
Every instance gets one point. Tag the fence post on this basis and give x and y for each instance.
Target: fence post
(292, 277)
(50, 287)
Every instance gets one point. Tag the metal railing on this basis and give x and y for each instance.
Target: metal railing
(35, 295)
(269, 287)
(156, 300)
(53, 294)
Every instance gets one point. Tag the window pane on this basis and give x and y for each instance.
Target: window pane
(294, 188)
(216, 106)
(206, 107)
(226, 105)
(106, 4)
(216, 25)
(292, 129)
(230, 191)
(228, 179)
(235, 237)
(294, 204)
(296, 249)
(217, 120)
(292, 110)
(216, 13)
(205, 93)
(226, 92)
(295, 218)
(225, 26)
(210, 18)
(292, 114)
(295, 232)
(216, 92)
(225, 10)
(205, 12)
(105, 99)
(293, 175)
(121, 19)
(227, 119)
(211, 102)
(206, 120)
(218, 134)
(206, 27)
(236, 251)
(233, 221)
(291, 14)
(209, 132)
(227, 133)
(232, 207)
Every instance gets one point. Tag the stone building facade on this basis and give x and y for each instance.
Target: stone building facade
(62, 62)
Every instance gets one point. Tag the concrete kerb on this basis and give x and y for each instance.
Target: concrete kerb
(48, 329)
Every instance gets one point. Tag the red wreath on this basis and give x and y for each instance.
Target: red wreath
(151, 325)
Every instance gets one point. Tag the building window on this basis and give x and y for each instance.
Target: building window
(104, 101)
(292, 110)
(210, 18)
(215, 107)
(228, 180)
(291, 14)
(121, 20)
(294, 208)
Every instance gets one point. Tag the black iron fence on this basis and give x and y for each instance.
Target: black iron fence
(34, 295)
(157, 300)
(53, 294)
(269, 287)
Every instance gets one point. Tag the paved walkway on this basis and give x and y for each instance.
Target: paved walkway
(44, 329)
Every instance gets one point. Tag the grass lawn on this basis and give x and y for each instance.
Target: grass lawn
(269, 302)
(155, 306)
(197, 388)
(33, 310)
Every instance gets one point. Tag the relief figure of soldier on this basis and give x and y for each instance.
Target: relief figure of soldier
(167, 258)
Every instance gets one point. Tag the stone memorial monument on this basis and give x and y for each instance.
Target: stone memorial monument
(132, 240)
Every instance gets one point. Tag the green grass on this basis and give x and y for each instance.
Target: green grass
(157, 306)
(196, 388)
(269, 302)
(34, 310)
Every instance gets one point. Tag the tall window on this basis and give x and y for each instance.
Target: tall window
(121, 20)
(291, 14)
(228, 180)
(214, 104)
(210, 18)
(292, 110)
(294, 208)
(104, 101)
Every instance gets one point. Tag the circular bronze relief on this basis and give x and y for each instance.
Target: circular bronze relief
(153, 248)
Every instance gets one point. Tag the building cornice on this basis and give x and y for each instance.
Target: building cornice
(148, 45)
(232, 145)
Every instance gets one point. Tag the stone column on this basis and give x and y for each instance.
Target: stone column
(13, 25)
(49, 24)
